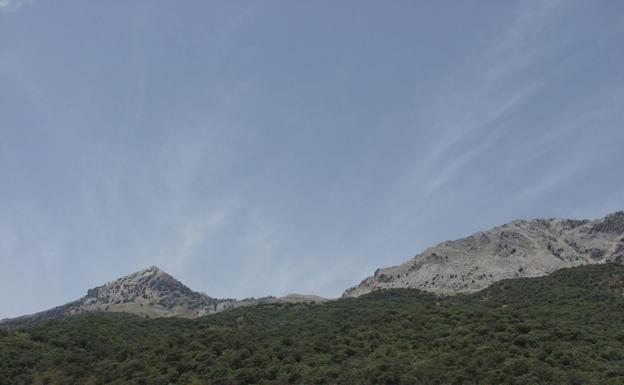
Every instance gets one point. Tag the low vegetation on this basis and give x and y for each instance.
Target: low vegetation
(562, 329)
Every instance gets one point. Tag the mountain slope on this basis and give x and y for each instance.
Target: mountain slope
(564, 328)
(150, 292)
(517, 249)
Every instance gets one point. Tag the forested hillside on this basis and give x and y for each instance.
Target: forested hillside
(565, 328)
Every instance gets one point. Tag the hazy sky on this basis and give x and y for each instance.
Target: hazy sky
(267, 147)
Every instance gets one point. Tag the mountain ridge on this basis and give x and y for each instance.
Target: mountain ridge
(564, 328)
(150, 292)
(518, 249)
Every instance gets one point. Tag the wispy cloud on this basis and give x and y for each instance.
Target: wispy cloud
(475, 103)
(260, 150)
(13, 5)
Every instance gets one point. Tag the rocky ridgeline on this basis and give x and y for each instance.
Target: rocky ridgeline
(150, 292)
(517, 249)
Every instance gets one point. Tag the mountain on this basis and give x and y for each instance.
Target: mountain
(150, 292)
(564, 328)
(514, 250)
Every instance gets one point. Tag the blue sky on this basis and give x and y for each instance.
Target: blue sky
(267, 147)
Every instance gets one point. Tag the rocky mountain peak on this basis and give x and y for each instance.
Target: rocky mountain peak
(150, 292)
(521, 248)
(146, 287)
(152, 270)
(612, 223)
(147, 275)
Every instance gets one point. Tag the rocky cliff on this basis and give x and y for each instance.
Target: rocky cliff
(150, 292)
(517, 249)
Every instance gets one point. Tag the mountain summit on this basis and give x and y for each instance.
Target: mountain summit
(153, 293)
(514, 250)
(517, 249)
(150, 292)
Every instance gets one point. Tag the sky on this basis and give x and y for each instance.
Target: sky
(254, 148)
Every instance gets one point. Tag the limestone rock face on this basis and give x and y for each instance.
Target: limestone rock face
(517, 249)
(153, 293)
(150, 292)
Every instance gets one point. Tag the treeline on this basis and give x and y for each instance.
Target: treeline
(562, 329)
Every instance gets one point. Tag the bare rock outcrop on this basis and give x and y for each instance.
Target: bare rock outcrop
(517, 249)
(150, 292)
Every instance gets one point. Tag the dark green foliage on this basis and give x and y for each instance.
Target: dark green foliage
(561, 329)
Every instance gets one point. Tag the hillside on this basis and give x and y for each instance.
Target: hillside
(514, 250)
(150, 292)
(564, 328)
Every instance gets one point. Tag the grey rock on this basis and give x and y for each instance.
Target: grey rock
(517, 249)
(150, 292)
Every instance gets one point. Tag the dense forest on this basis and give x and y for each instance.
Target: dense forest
(562, 329)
